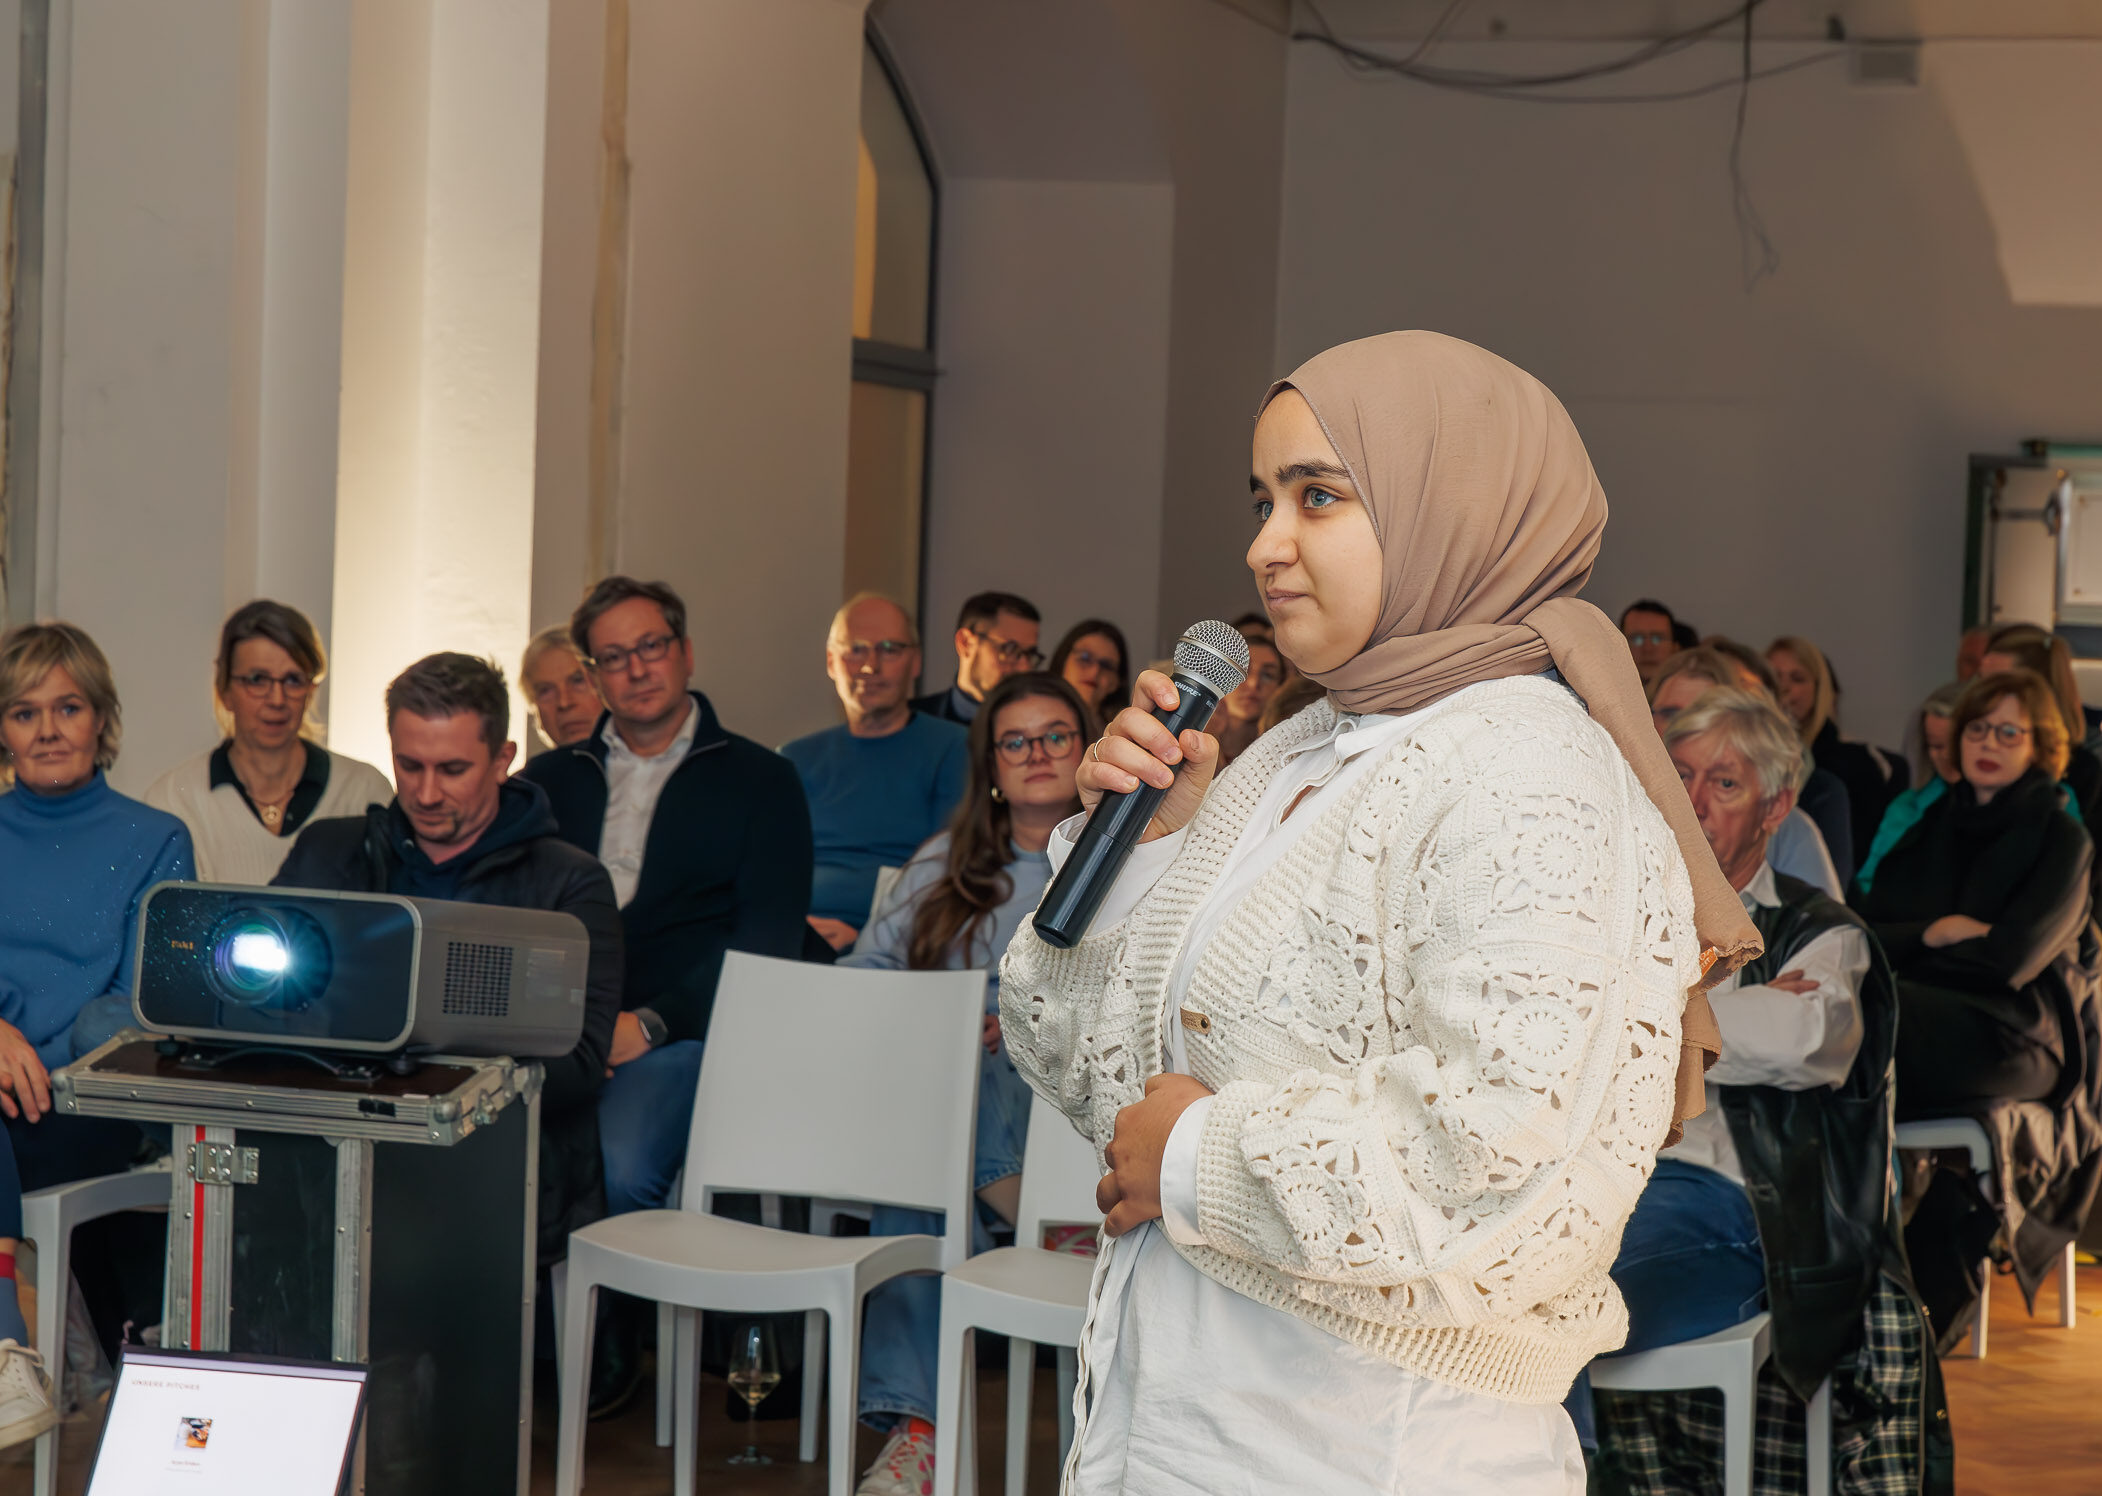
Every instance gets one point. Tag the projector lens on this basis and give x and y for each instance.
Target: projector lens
(276, 960)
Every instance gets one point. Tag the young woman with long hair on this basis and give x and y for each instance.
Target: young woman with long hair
(956, 905)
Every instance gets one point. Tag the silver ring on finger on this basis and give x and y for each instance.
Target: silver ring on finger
(1094, 750)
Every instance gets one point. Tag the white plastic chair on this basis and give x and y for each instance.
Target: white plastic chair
(1968, 1134)
(820, 1081)
(1729, 1360)
(1024, 1292)
(48, 1219)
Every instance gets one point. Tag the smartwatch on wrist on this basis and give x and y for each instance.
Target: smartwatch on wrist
(654, 1032)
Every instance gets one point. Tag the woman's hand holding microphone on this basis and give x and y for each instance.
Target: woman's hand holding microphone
(1135, 748)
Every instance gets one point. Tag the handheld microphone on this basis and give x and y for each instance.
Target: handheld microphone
(1210, 660)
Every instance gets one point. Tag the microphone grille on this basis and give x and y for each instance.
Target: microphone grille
(1214, 653)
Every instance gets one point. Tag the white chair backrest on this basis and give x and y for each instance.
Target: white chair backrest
(833, 1081)
(1059, 1175)
(886, 880)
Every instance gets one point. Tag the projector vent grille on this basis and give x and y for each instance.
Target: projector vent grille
(477, 980)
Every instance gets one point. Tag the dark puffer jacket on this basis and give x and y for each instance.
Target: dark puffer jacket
(520, 862)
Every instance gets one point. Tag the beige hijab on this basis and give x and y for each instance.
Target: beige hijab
(1489, 516)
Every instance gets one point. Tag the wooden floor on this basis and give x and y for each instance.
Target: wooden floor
(2028, 1422)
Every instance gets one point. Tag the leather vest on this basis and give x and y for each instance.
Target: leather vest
(1817, 1162)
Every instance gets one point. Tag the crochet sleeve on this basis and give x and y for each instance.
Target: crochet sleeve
(1052, 1005)
(1516, 921)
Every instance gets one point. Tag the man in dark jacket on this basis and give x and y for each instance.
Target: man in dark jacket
(996, 635)
(707, 837)
(459, 829)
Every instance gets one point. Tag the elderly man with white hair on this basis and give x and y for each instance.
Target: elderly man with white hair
(884, 780)
(1778, 1197)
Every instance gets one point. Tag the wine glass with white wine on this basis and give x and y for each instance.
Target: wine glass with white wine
(754, 1372)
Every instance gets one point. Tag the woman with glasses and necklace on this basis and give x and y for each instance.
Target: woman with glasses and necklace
(1977, 899)
(955, 906)
(245, 800)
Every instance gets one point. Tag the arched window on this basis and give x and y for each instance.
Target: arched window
(893, 365)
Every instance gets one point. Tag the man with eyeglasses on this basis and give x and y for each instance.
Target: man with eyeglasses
(1652, 635)
(707, 838)
(882, 782)
(996, 636)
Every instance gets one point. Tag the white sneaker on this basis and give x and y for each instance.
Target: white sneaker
(906, 1465)
(25, 1394)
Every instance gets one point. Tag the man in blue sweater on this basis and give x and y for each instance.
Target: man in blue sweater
(882, 782)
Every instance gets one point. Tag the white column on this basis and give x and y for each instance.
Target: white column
(441, 303)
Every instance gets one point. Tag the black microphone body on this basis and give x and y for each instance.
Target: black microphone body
(1118, 821)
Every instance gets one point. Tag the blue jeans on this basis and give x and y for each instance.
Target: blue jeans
(1689, 1265)
(644, 1111)
(901, 1326)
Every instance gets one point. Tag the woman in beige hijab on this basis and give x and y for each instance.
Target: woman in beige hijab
(1381, 1030)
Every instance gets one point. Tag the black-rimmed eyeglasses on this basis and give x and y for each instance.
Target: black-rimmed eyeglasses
(649, 650)
(1058, 743)
(1008, 651)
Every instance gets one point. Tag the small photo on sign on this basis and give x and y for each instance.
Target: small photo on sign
(193, 1433)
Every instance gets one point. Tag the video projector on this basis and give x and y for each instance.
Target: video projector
(294, 969)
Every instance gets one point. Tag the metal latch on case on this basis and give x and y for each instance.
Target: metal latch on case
(1192, 1019)
(222, 1163)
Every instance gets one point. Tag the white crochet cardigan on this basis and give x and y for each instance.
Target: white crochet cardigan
(1443, 1033)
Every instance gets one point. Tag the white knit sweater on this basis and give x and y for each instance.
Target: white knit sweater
(1443, 1031)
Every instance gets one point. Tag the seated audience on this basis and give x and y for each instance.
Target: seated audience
(245, 800)
(1293, 697)
(1975, 901)
(560, 698)
(75, 859)
(1809, 693)
(1776, 1196)
(2024, 646)
(996, 636)
(955, 906)
(1238, 722)
(707, 837)
(1091, 658)
(1652, 635)
(1798, 847)
(1935, 768)
(884, 780)
(1970, 650)
(462, 828)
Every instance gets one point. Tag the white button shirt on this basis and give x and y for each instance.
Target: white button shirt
(633, 785)
(1198, 1391)
(1774, 1038)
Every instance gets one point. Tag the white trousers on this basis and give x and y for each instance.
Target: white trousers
(1198, 1391)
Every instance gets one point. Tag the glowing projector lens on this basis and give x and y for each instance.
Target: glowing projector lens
(258, 953)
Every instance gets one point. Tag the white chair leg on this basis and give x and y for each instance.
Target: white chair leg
(966, 1420)
(948, 1406)
(686, 1398)
(667, 1362)
(2067, 1308)
(1021, 1380)
(54, 1267)
(579, 1304)
(1818, 1443)
(1739, 1400)
(845, 1388)
(1983, 1317)
(813, 1383)
(1068, 1384)
(557, 1286)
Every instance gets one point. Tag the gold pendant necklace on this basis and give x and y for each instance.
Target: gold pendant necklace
(272, 815)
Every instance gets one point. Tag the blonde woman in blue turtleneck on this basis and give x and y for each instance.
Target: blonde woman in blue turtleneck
(75, 859)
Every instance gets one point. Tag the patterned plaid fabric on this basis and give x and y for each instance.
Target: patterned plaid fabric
(1670, 1443)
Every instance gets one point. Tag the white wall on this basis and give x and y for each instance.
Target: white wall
(1050, 427)
(1785, 459)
